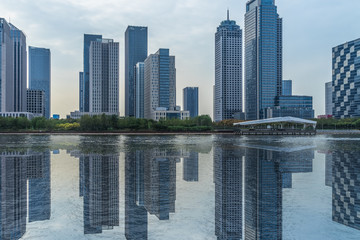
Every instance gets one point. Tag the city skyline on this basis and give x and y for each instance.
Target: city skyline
(303, 40)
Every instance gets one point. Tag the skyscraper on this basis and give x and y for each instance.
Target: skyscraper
(263, 57)
(40, 74)
(88, 38)
(81, 91)
(159, 82)
(36, 102)
(135, 51)
(345, 80)
(139, 90)
(328, 98)
(191, 100)
(6, 69)
(104, 76)
(228, 70)
(286, 87)
(20, 68)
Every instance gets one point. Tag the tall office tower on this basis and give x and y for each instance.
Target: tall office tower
(88, 38)
(136, 219)
(38, 173)
(328, 98)
(228, 194)
(191, 100)
(286, 88)
(263, 57)
(228, 70)
(104, 76)
(345, 80)
(35, 101)
(13, 195)
(136, 50)
(159, 82)
(81, 91)
(20, 68)
(191, 167)
(6, 69)
(40, 74)
(139, 90)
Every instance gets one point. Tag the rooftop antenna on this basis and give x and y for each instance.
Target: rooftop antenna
(228, 18)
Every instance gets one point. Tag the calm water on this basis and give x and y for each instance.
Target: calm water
(179, 187)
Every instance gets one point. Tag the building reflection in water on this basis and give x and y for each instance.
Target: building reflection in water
(346, 184)
(191, 167)
(15, 169)
(99, 187)
(266, 170)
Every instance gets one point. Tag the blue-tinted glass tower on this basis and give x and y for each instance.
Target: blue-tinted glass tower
(40, 74)
(263, 57)
(20, 67)
(81, 91)
(88, 38)
(228, 70)
(287, 87)
(346, 80)
(191, 101)
(136, 45)
(139, 90)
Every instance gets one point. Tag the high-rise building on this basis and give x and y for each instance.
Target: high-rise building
(328, 98)
(20, 68)
(136, 45)
(191, 100)
(104, 76)
(139, 90)
(159, 82)
(228, 70)
(292, 106)
(85, 81)
(81, 91)
(286, 87)
(191, 167)
(263, 57)
(36, 102)
(40, 74)
(7, 68)
(345, 80)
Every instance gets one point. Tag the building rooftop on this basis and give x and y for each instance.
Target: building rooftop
(276, 120)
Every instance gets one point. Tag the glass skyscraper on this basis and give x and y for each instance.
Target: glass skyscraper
(263, 57)
(85, 78)
(159, 82)
(346, 80)
(135, 51)
(286, 87)
(139, 90)
(328, 98)
(228, 70)
(191, 100)
(40, 74)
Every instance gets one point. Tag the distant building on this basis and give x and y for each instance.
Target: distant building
(136, 50)
(56, 116)
(139, 90)
(104, 76)
(159, 82)
(191, 100)
(36, 102)
(345, 80)
(263, 57)
(328, 98)
(292, 106)
(172, 113)
(18, 114)
(85, 81)
(228, 70)
(81, 91)
(287, 87)
(78, 115)
(40, 74)
(20, 68)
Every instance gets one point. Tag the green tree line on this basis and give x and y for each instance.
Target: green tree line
(348, 123)
(103, 123)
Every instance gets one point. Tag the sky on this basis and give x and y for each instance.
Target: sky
(311, 28)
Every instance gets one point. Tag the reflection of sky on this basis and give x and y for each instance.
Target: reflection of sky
(307, 206)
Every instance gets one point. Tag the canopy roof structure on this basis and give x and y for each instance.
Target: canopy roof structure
(277, 120)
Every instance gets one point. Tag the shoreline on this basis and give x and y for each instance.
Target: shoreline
(318, 132)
